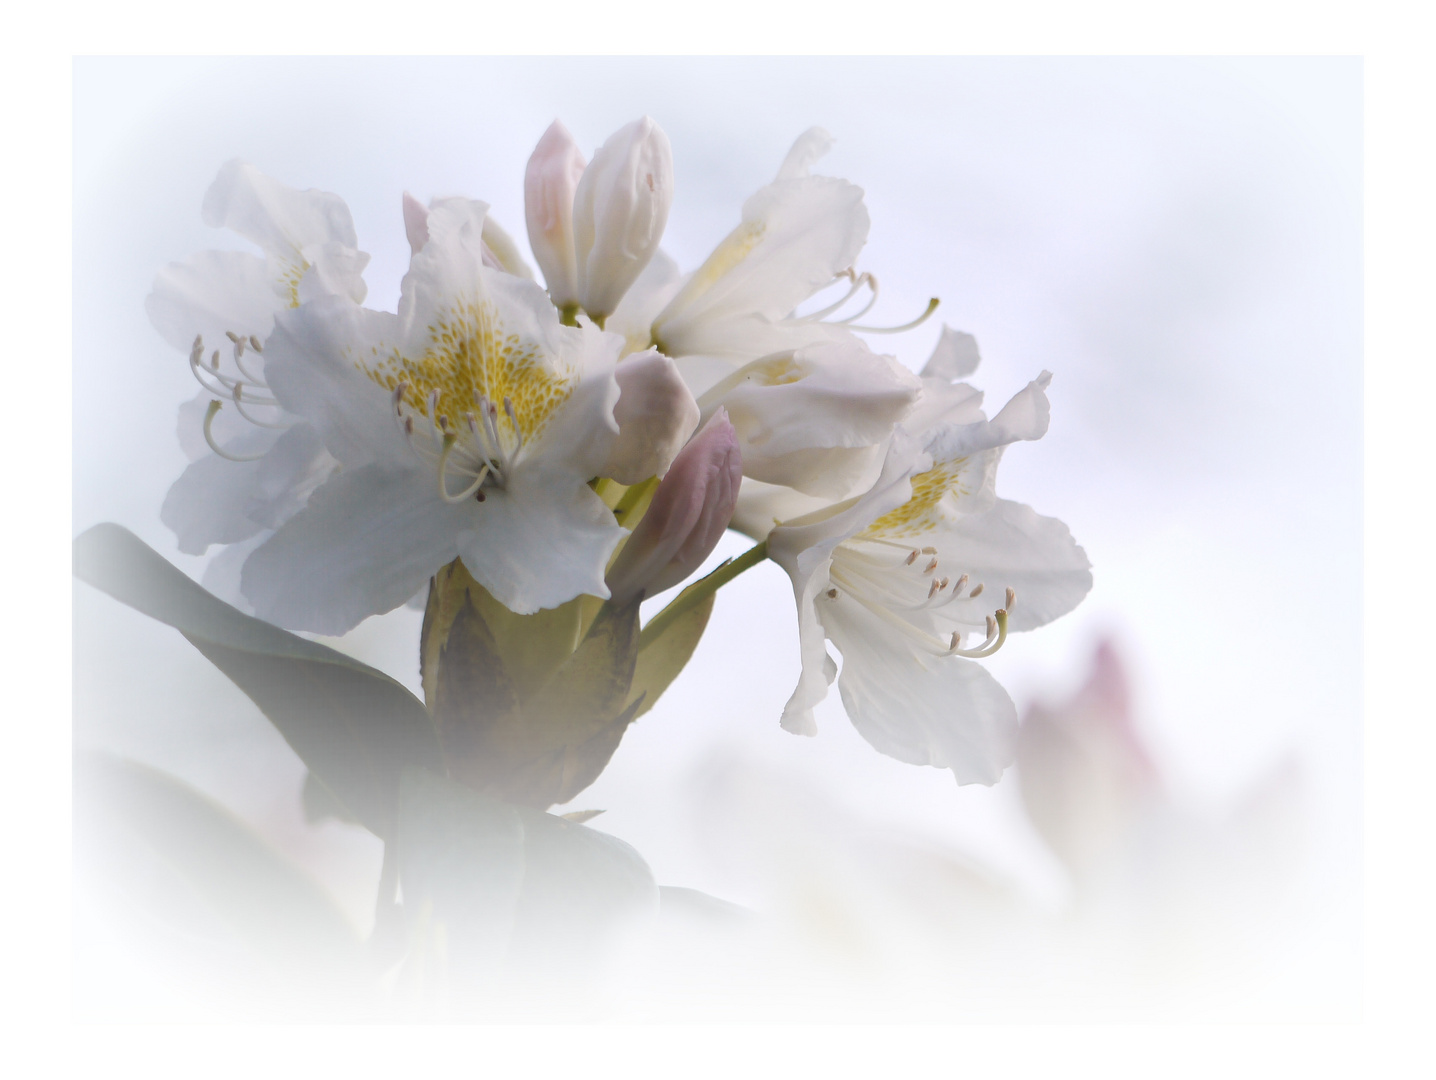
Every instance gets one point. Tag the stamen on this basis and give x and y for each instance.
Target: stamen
(929, 551)
(912, 558)
(1011, 598)
(214, 360)
(450, 441)
(209, 414)
(930, 567)
(961, 584)
(239, 405)
(399, 394)
(832, 594)
(232, 336)
(996, 635)
(931, 307)
(872, 299)
(255, 345)
(514, 420)
(933, 588)
(975, 592)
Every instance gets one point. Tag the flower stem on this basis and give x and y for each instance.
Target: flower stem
(700, 590)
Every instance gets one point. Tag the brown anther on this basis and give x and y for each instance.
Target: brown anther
(832, 594)
(932, 589)
(975, 592)
(930, 567)
(929, 551)
(912, 557)
(479, 495)
(942, 584)
(1011, 596)
(408, 425)
(961, 584)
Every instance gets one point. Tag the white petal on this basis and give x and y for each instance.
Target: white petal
(312, 368)
(955, 356)
(221, 574)
(276, 217)
(815, 419)
(1024, 417)
(298, 230)
(807, 148)
(796, 235)
(367, 541)
(541, 542)
(416, 223)
(210, 293)
(926, 710)
(208, 504)
(1012, 546)
(762, 506)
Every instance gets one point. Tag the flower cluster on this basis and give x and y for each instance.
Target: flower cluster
(596, 435)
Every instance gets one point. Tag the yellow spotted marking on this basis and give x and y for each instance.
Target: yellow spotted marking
(468, 353)
(921, 512)
(289, 278)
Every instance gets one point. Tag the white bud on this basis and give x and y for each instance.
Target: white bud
(619, 211)
(550, 180)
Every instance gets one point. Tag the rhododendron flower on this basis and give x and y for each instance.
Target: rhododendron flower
(253, 463)
(468, 425)
(900, 577)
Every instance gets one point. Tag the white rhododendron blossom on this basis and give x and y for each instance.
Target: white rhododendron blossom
(347, 456)
(253, 463)
(902, 578)
(468, 425)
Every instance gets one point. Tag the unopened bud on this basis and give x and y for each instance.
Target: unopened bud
(550, 180)
(655, 413)
(619, 211)
(689, 512)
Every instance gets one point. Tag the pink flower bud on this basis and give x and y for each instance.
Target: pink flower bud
(655, 413)
(1086, 780)
(619, 210)
(550, 180)
(689, 512)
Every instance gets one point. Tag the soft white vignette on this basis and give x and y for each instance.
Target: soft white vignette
(1399, 216)
(1177, 240)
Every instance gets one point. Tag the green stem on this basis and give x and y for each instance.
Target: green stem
(700, 590)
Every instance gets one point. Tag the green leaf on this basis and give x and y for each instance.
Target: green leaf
(354, 726)
(274, 907)
(662, 658)
(490, 885)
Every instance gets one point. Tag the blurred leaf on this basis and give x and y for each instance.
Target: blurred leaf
(274, 907)
(663, 657)
(319, 803)
(354, 726)
(545, 894)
